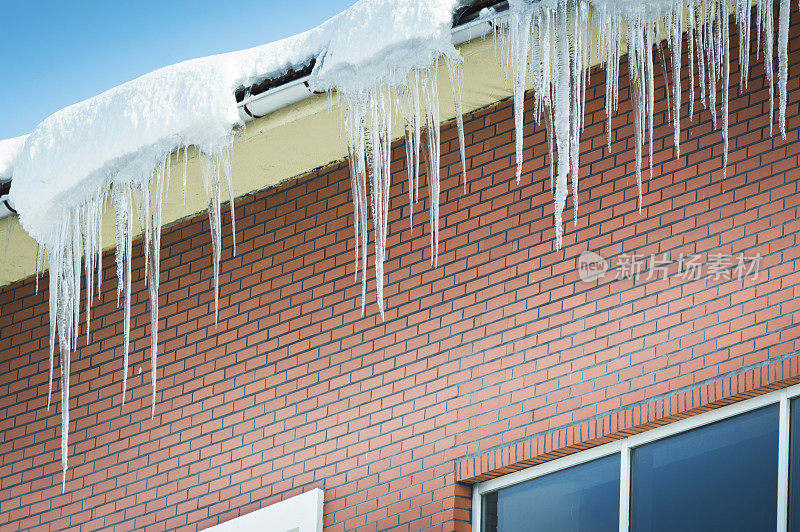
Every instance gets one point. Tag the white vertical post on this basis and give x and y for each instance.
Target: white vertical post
(477, 513)
(783, 463)
(624, 486)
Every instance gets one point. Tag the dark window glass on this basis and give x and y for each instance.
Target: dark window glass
(581, 498)
(794, 467)
(720, 477)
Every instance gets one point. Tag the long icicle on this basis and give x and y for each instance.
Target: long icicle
(783, 63)
(123, 207)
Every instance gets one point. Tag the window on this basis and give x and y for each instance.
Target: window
(723, 476)
(584, 497)
(736, 467)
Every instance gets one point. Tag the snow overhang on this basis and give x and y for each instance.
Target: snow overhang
(292, 131)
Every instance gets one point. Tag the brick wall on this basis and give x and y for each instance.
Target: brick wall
(500, 358)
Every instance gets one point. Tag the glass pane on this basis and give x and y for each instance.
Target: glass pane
(720, 477)
(581, 498)
(794, 467)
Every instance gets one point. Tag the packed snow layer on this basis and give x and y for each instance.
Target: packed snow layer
(122, 135)
(377, 43)
(9, 151)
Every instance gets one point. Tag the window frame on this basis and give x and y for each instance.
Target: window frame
(625, 446)
(301, 513)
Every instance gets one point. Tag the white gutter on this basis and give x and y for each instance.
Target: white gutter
(273, 99)
(6, 208)
(295, 91)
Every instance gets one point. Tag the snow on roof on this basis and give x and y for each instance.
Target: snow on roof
(383, 41)
(123, 134)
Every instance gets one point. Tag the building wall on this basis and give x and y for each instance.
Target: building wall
(500, 358)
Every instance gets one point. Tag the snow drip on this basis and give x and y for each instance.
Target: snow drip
(546, 46)
(78, 239)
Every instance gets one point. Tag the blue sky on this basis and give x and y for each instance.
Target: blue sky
(55, 54)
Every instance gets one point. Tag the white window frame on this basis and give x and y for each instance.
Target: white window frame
(301, 513)
(625, 446)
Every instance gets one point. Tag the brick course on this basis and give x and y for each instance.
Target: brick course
(498, 359)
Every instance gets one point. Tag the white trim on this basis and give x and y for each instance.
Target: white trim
(477, 501)
(548, 467)
(781, 397)
(783, 464)
(624, 487)
(301, 513)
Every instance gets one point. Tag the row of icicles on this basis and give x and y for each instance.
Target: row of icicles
(80, 238)
(545, 46)
(548, 46)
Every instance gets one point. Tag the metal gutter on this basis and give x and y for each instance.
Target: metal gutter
(261, 104)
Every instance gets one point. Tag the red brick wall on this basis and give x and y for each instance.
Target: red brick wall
(500, 358)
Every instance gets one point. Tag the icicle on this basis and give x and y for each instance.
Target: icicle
(65, 369)
(185, 165)
(690, 15)
(354, 115)
(580, 61)
(726, 75)
(542, 45)
(431, 99)
(699, 26)
(518, 51)
(53, 260)
(210, 170)
(561, 107)
(638, 125)
(409, 144)
(675, 24)
(743, 20)
(766, 25)
(227, 172)
(78, 237)
(456, 80)
(783, 63)
(123, 208)
(152, 246)
(39, 265)
(548, 117)
(712, 61)
(380, 158)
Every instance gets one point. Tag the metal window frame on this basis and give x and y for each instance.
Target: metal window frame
(626, 445)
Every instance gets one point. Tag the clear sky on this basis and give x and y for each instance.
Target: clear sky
(56, 53)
